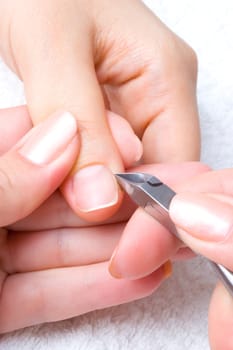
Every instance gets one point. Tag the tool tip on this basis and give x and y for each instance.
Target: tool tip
(133, 177)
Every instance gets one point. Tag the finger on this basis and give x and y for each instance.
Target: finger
(35, 167)
(74, 247)
(62, 76)
(55, 213)
(172, 133)
(145, 244)
(151, 81)
(184, 253)
(59, 248)
(128, 143)
(207, 204)
(144, 247)
(46, 216)
(130, 149)
(15, 122)
(205, 224)
(218, 181)
(31, 298)
(221, 319)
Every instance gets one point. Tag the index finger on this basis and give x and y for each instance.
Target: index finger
(146, 244)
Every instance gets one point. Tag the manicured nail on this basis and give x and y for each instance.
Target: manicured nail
(167, 269)
(201, 216)
(49, 139)
(95, 188)
(138, 149)
(113, 268)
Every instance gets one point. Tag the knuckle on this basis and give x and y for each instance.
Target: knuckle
(191, 59)
(184, 59)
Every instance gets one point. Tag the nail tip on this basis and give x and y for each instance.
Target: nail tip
(167, 269)
(95, 188)
(139, 152)
(114, 273)
(99, 207)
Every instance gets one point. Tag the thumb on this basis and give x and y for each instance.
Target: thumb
(36, 166)
(205, 222)
(221, 319)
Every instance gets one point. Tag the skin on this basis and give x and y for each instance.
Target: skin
(210, 234)
(202, 212)
(72, 252)
(115, 73)
(77, 254)
(31, 285)
(89, 56)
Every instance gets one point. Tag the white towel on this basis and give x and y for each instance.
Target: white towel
(174, 317)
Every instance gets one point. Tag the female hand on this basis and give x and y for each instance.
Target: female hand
(49, 275)
(82, 56)
(146, 244)
(203, 213)
(59, 248)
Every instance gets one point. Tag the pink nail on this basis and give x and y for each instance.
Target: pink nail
(48, 140)
(95, 188)
(201, 216)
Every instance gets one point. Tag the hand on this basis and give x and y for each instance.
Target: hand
(35, 266)
(89, 55)
(203, 213)
(144, 237)
(65, 241)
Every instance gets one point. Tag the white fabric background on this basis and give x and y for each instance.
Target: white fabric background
(175, 317)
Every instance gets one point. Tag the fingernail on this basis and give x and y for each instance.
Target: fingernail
(167, 269)
(138, 149)
(113, 268)
(95, 188)
(201, 216)
(49, 139)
